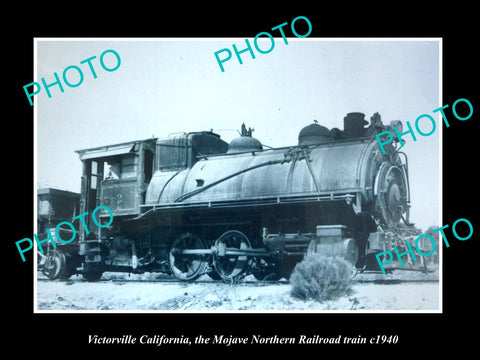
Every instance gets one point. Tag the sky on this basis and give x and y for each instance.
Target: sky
(164, 86)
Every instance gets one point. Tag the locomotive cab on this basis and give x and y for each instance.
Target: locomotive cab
(117, 176)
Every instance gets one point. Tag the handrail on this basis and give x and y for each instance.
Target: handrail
(197, 191)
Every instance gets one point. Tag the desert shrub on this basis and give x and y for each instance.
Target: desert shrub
(321, 278)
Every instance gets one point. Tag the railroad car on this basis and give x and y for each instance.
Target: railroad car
(53, 207)
(192, 204)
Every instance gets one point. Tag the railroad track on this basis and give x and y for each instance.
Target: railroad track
(394, 281)
(172, 280)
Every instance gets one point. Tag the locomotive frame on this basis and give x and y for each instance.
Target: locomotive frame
(192, 204)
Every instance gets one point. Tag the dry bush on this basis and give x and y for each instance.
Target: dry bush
(321, 278)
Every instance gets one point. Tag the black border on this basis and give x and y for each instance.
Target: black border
(417, 332)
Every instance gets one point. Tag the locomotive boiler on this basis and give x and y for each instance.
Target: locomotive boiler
(192, 204)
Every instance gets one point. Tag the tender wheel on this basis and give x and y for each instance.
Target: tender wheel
(92, 276)
(56, 266)
(187, 267)
(231, 267)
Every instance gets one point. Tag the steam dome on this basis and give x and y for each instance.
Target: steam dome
(314, 134)
(244, 144)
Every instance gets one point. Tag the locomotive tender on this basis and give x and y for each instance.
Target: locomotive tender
(192, 204)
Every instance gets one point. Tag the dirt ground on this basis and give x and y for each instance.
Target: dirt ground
(405, 290)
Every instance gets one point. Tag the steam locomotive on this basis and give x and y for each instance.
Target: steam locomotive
(192, 204)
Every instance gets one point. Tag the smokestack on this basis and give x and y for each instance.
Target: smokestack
(354, 125)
